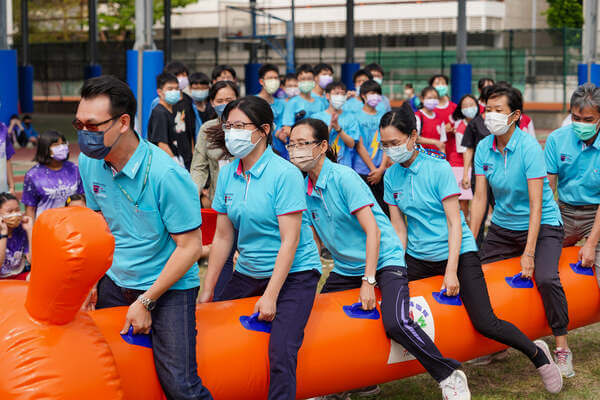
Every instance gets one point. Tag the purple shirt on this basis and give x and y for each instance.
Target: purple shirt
(9, 149)
(45, 188)
(16, 248)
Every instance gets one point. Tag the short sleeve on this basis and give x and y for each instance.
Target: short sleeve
(355, 192)
(550, 155)
(289, 195)
(446, 182)
(90, 200)
(178, 201)
(442, 132)
(388, 196)
(31, 197)
(158, 127)
(218, 203)
(479, 157)
(468, 140)
(533, 160)
(289, 114)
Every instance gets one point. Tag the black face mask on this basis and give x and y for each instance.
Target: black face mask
(28, 124)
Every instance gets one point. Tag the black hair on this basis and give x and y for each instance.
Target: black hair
(75, 197)
(503, 84)
(291, 75)
(262, 71)
(118, 92)
(320, 133)
(305, 68)
(482, 82)
(26, 116)
(370, 86)
(218, 70)
(514, 98)
(433, 78)
(403, 119)
(409, 86)
(335, 85)
(164, 78)
(5, 196)
(214, 89)
(485, 93)
(176, 68)
(14, 116)
(320, 67)
(361, 72)
(375, 67)
(43, 154)
(199, 78)
(457, 114)
(428, 89)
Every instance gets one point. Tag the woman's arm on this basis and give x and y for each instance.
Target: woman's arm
(3, 242)
(219, 251)
(535, 187)
(397, 218)
(587, 254)
(289, 230)
(452, 210)
(30, 212)
(478, 206)
(552, 180)
(367, 221)
(27, 225)
(10, 177)
(468, 160)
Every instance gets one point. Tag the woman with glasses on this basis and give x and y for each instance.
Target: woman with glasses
(366, 251)
(260, 195)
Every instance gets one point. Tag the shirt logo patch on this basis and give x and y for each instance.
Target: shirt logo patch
(314, 215)
(488, 167)
(397, 194)
(99, 189)
(228, 198)
(564, 157)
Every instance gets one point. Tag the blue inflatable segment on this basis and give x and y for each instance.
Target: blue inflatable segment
(9, 85)
(26, 88)
(141, 339)
(348, 71)
(442, 298)
(92, 71)
(518, 282)
(356, 311)
(582, 74)
(461, 80)
(252, 323)
(251, 78)
(578, 269)
(153, 64)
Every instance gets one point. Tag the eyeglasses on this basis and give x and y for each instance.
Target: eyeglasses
(79, 126)
(292, 146)
(235, 125)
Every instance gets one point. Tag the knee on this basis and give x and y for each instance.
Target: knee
(394, 328)
(486, 327)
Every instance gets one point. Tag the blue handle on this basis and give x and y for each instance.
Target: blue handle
(141, 339)
(518, 282)
(252, 323)
(578, 269)
(441, 298)
(356, 311)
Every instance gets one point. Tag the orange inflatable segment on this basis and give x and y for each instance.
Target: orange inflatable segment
(73, 248)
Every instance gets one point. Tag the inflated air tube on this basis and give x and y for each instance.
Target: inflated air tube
(52, 353)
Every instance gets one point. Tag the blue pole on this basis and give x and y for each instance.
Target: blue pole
(460, 80)
(9, 88)
(26, 88)
(594, 74)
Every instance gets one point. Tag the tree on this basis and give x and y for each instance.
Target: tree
(53, 20)
(565, 13)
(119, 16)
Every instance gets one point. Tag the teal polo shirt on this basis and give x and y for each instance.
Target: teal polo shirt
(252, 201)
(418, 191)
(508, 173)
(345, 154)
(297, 104)
(322, 99)
(168, 204)
(332, 202)
(576, 164)
(368, 129)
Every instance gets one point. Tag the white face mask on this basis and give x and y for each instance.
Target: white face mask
(497, 123)
(239, 142)
(184, 82)
(338, 100)
(469, 112)
(303, 158)
(271, 85)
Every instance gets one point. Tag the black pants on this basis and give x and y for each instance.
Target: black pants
(294, 305)
(501, 243)
(491, 202)
(399, 326)
(377, 191)
(474, 294)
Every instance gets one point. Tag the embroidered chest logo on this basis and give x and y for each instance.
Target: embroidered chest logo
(99, 189)
(315, 215)
(567, 158)
(397, 195)
(228, 198)
(488, 167)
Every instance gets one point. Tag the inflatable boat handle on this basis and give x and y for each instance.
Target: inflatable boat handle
(578, 269)
(518, 282)
(252, 323)
(141, 339)
(442, 298)
(356, 311)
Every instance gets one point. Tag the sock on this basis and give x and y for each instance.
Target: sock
(540, 359)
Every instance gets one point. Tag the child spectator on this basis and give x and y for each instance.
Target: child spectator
(377, 72)
(432, 134)
(76, 200)
(15, 239)
(29, 134)
(200, 84)
(290, 86)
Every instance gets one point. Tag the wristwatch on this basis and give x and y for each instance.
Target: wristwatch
(146, 302)
(370, 280)
(3, 237)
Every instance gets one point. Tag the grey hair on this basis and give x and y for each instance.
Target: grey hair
(586, 95)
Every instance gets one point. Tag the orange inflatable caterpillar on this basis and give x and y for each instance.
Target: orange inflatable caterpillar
(50, 350)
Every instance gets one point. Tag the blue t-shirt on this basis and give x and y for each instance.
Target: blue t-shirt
(322, 99)
(418, 191)
(345, 154)
(332, 202)
(354, 105)
(508, 173)
(296, 105)
(168, 204)
(253, 201)
(576, 164)
(277, 107)
(368, 128)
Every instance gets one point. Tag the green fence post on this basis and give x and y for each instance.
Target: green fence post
(443, 64)
(511, 36)
(379, 47)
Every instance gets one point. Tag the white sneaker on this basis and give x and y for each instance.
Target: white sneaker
(564, 360)
(455, 387)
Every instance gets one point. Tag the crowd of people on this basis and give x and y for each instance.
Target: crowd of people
(305, 168)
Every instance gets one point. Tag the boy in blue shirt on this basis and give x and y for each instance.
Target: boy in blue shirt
(354, 103)
(268, 75)
(323, 77)
(377, 72)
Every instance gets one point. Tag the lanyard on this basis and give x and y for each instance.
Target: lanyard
(146, 173)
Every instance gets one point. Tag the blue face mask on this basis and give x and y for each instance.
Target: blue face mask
(172, 96)
(92, 143)
(219, 109)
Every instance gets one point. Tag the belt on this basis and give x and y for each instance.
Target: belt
(586, 207)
